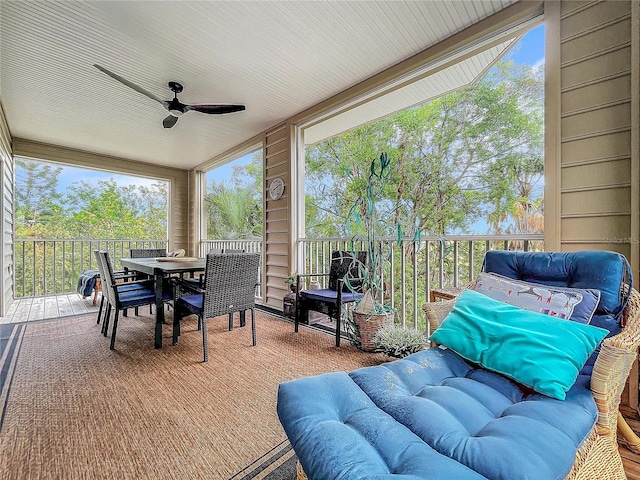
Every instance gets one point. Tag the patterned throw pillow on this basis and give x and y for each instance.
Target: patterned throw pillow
(575, 304)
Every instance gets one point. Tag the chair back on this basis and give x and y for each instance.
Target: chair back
(346, 264)
(108, 278)
(103, 278)
(147, 252)
(230, 283)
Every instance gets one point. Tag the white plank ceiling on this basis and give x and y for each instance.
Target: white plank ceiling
(276, 57)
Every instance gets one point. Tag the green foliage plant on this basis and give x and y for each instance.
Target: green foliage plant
(397, 341)
(364, 215)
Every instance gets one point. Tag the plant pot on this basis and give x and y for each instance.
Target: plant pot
(368, 324)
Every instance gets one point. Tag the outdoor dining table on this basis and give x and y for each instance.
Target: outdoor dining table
(158, 268)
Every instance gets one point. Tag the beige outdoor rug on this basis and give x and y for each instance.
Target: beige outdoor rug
(73, 409)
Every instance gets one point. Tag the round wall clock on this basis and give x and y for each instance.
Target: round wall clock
(276, 189)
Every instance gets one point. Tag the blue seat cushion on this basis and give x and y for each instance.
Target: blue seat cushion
(454, 421)
(330, 296)
(602, 270)
(338, 432)
(192, 303)
(482, 419)
(144, 296)
(128, 287)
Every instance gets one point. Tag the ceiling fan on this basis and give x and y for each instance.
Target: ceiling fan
(175, 107)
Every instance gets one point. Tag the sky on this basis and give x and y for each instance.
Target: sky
(529, 52)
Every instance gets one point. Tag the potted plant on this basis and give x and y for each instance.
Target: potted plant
(291, 281)
(371, 313)
(398, 341)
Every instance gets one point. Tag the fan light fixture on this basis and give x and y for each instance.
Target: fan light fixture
(174, 106)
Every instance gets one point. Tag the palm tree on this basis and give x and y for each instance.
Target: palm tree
(233, 212)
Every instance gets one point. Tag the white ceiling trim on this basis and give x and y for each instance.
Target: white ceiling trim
(441, 82)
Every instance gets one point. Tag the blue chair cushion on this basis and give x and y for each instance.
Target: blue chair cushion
(352, 438)
(480, 418)
(330, 296)
(454, 421)
(144, 296)
(193, 302)
(128, 287)
(602, 270)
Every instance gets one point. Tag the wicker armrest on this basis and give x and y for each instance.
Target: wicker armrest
(122, 275)
(612, 368)
(436, 312)
(180, 286)
(141, 283)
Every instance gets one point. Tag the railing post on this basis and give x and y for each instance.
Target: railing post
(416, 248)
(456, 274)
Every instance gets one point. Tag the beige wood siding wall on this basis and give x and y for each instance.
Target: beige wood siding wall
(178, 225)
(594, 81)
(7, 201)
(277, 221)
(592, 196)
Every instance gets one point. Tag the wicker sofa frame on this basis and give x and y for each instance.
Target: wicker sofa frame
(598, 457)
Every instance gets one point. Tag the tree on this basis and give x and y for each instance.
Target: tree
(234, 210)
(37, 199)
(112, 211)
(472, 154)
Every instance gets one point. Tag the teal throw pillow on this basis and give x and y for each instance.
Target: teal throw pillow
(542, 352)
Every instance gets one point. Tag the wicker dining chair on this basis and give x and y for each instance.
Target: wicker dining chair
(230, 282)
(147, 252)
(197, 278)
(124, 284)
(121, 300)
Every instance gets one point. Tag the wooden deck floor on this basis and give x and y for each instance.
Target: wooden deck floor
(630, 460)
(41, 308)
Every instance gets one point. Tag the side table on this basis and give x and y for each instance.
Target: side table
(289, 305)
(444, 293)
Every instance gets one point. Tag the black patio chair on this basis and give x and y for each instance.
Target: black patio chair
(230, 282)
(344, 287)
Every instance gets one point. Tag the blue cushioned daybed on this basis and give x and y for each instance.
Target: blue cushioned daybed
(512, 391)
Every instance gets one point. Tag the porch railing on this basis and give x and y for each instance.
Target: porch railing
(52, 266)
(417, 267)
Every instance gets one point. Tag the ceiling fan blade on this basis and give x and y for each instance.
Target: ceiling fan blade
(169, 122)
(129, 84)
(216, 109)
